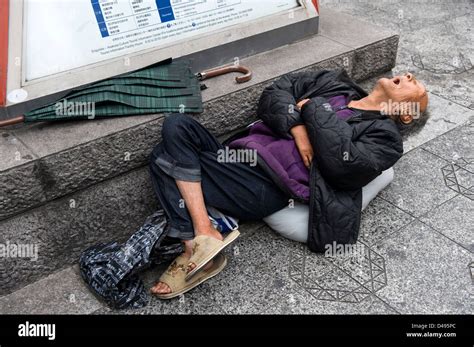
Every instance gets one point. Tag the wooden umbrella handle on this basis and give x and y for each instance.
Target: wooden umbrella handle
(226, 69)
(11, 121)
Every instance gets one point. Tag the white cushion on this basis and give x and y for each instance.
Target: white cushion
(292, 222)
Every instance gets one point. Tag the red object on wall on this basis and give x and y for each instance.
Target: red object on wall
(315, 3)
(3, 50)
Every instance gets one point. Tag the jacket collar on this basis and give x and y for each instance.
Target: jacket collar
(361, 115)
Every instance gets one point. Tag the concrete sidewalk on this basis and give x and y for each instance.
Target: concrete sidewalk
(417, 235)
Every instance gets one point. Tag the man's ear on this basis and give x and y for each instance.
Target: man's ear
(406, 118)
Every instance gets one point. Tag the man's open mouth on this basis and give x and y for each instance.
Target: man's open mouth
(396, 80)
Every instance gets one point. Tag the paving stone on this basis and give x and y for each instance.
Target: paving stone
(14, 152)
(355, 276)
(381, 219)
(454, 145)
(426, 273)
(459, 177)
(348, 7)
(63, 292)
(411, 16)
(418, 185)
(455, 219)
(348, 33)
(450, 40)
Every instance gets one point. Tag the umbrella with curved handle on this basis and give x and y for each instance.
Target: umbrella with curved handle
(224, 70)
(247, 75)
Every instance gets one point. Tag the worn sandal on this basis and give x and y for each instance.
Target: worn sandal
(206, 248)
(175, 275)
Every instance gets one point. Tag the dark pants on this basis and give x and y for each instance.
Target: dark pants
(189, 152)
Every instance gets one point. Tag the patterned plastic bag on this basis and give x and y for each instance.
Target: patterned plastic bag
(111, 269)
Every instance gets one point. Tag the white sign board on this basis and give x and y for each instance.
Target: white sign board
(64, 35)
(55, 45)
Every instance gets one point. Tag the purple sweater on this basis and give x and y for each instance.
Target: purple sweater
(282, 156)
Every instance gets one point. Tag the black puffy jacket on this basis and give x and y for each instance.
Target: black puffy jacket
(347, 154)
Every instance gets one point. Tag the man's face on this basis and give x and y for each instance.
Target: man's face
(404, 89)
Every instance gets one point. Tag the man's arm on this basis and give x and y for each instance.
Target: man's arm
(350, 156)
(300, 134)
(277, 106)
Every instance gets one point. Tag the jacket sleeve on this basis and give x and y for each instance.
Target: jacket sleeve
(277, 104)
(350, 155)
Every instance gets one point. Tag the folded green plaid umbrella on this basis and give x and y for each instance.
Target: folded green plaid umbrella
(169, 87)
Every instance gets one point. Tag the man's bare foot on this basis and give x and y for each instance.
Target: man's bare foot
(162, 288)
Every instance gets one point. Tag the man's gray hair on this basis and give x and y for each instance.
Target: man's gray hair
(414, 127)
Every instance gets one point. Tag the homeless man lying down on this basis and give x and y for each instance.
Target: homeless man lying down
(324, 149)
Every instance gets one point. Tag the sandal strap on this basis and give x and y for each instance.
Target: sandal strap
(175, 274)
(203, 245)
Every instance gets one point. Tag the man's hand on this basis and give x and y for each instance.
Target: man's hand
(302, 143)
(300, 104)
